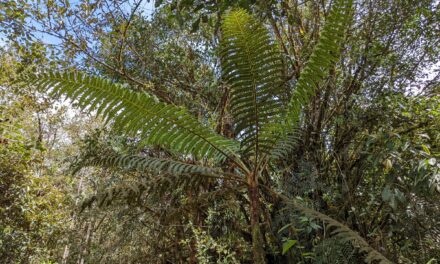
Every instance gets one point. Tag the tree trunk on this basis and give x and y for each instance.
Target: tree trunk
(73, 222)
(257, 238)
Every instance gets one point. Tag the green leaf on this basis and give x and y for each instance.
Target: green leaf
(426, 149)
(284, 228)
(137, 114)
(252, 66)
(324, 56)
(288, 244)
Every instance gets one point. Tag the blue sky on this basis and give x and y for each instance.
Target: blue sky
(147, 8)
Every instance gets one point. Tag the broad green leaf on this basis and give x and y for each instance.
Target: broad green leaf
(288, 244)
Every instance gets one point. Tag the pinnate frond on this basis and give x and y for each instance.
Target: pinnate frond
(285, 146)
(137, 113)
(252, 66)
(153, 188)
(148, 164)
(324, 56)
(344, 233)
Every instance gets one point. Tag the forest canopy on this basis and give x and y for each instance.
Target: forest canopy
(250, 131)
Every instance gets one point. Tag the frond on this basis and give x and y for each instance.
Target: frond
(126, 191)
(285, 146)
(148, 164)
(333, 250)
(324, 56)
(252, 66)
(344, 233)
(137, 114)
(162, 176)
(154, 188)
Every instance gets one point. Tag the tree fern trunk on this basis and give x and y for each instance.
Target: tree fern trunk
(257, 238)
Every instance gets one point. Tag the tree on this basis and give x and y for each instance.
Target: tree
(364, 148)
(265, 117)
(36, 200)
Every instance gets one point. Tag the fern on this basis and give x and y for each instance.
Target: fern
(155, 187)
(138, 113)
(284, 146)
(160, 176)
(325, 54)
(125, 191)
(265, 124)
(252, 66)
(148, 164)
(343, 233)
(339, 230)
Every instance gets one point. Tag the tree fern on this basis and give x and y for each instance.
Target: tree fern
(137, 113)
(265, 124)
(252, 66)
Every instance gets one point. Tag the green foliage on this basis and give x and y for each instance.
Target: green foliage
(253, 68)
(14, 159)
(206, 244)
(334, 250)
(285, 145)
(33, 202)
(134, 113)
(344, 233)
(346, 134)
(323, 58)
(149, 164)
(288, 245)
